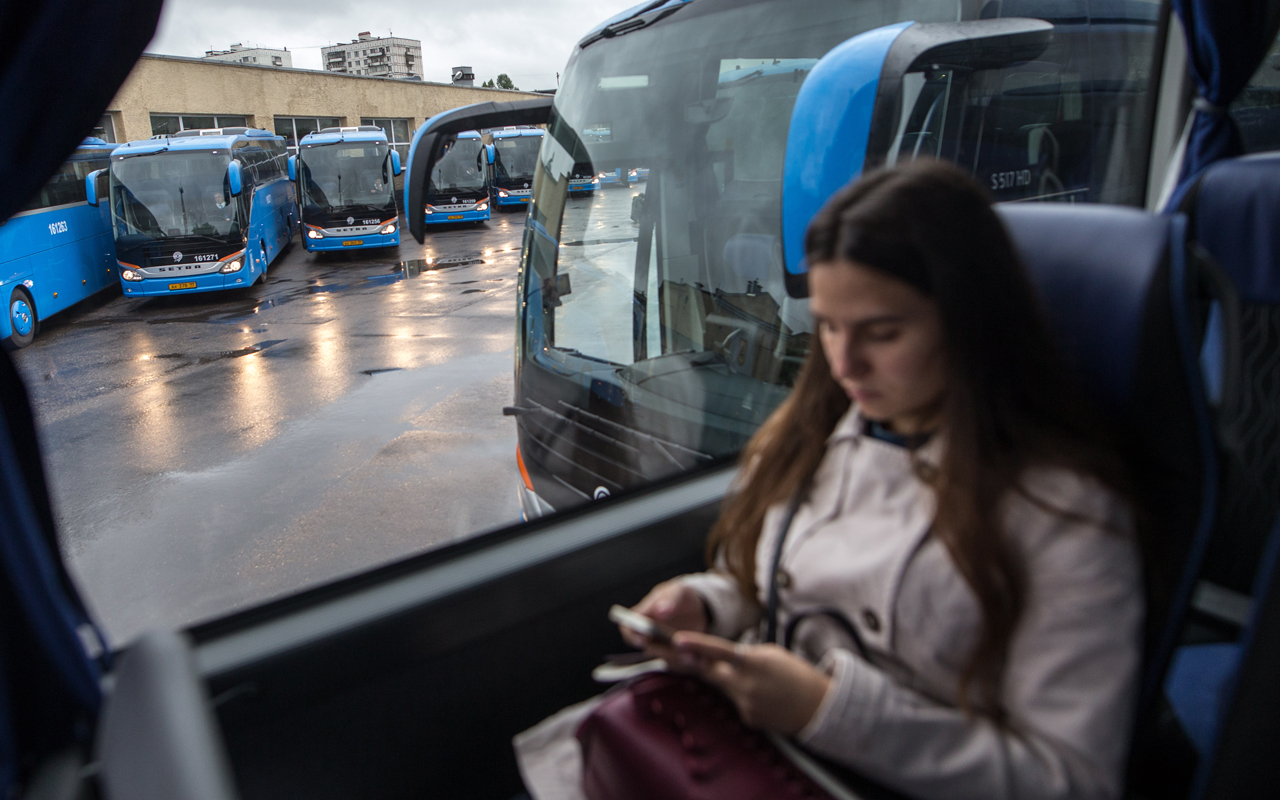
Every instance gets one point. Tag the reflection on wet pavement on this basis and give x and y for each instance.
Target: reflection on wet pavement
(208, 452)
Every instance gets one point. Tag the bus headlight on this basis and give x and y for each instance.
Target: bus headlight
(595, 180)
(312, 233)
(503, 194)
(482, 205)
(428, 210)
(130, 275)
(231, 266)
(389, 229)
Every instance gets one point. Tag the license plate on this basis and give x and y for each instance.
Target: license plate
(187, 285)
(454, 216)
(352, 242)
(524, 199)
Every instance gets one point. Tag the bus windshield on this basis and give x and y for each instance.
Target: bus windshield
(343, 176)
(164, 195)
(461, 169)
(656, 330)
(516, 158)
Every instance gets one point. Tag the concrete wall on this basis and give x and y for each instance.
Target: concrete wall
(171, 85)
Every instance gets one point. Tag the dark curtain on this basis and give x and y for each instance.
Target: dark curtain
(61, 62)
(1226, 41)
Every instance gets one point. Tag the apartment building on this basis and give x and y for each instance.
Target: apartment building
(375, 56)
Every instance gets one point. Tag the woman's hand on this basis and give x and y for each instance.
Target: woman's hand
(673, 604)
(774, 689)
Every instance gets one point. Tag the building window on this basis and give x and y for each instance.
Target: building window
(172, 123)
(294, 128)
(399, 133)
(105, 129)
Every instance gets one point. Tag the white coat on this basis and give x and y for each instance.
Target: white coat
(861, 545)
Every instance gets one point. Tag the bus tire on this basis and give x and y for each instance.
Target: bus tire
(22, 318)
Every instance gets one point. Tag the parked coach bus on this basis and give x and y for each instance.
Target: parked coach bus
(459, 187)
(198, 211)
(346, 189)
(515, 156)
(57, 251)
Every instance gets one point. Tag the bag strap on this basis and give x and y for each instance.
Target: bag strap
(771, 602)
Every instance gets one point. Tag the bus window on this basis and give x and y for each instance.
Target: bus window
(1257, 110)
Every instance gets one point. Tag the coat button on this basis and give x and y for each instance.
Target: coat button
(783, 579)
(870, 619)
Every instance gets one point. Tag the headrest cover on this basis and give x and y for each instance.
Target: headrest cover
(1236, 214)
(1093, 266)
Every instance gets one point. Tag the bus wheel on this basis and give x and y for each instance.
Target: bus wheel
(22, 318)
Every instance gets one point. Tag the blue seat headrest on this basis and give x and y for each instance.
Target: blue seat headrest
(1236, 213)
(1093, 266)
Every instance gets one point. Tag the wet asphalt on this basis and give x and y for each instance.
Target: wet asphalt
(211, 451)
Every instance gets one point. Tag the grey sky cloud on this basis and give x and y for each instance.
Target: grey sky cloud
(530, 40)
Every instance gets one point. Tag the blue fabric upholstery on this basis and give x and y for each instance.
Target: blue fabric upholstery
(1237, 219)
(1198, 680)
(1114, 285)
(1094, 267)
(1226, 41)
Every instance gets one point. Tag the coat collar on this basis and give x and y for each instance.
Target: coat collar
(852, 428)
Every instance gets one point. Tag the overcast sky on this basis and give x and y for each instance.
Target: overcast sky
(530, 40)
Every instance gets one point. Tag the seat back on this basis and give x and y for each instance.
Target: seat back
(1115, 286)
(1223, 686)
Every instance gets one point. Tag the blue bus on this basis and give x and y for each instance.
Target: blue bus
(515, 156)
(56, 251)
(345, 187)
(458, 189)
(198, 211)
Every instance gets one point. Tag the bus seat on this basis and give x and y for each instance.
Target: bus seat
(1235, 214)
(1224, 677)
(1117, 287)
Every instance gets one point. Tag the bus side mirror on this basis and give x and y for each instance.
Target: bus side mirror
(850, 112)
(235, 178)
(293, 168)
(430, 141)
(395, 162)
(490, 153)
(96, 187)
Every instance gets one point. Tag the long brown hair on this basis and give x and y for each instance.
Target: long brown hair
(1007, 406)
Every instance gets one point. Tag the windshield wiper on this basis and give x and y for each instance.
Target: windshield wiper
(641, 19)
(182, 201)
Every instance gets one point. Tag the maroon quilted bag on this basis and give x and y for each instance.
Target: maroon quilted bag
(672, 737)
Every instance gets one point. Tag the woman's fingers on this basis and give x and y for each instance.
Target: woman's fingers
(706, 646)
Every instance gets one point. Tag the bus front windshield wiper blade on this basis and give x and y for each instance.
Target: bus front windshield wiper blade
(642, 19)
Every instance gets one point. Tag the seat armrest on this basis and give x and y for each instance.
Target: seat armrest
(157, 736)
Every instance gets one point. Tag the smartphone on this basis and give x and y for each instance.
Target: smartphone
(656, 631)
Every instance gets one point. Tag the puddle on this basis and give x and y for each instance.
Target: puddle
(244, 351)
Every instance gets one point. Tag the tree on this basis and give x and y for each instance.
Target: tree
(504, 81)
(487, 84)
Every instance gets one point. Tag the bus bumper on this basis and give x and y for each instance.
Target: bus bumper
(441, 217)
(508, 202)
(192, 284)
(531, 505)
(363, 242)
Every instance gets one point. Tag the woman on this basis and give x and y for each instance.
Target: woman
(960, 584)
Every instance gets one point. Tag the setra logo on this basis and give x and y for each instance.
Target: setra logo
(177, 256)
(601, 493)
(351, 220)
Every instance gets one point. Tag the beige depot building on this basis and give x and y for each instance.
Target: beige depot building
(165, 94)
